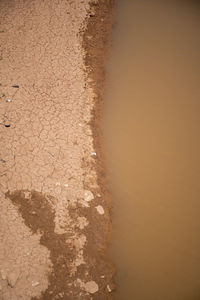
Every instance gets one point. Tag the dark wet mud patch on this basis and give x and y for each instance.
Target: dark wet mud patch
(38, 215)
(96, 40)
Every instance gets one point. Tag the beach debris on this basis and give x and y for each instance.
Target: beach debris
(93, 153)
(88, 196)
(2, 160)
(57, 183)
(9, 100)
(66, 185)
(15, 86)
(100, 209)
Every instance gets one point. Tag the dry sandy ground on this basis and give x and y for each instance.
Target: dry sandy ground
(54, 208)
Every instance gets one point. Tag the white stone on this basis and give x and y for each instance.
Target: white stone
(109, 289)
(88, 196)
(27, 194)
(100, 209)
(91, 287)
(35, 283)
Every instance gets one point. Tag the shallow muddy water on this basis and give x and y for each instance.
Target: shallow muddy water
(152, 133)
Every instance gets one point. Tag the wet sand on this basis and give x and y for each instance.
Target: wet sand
(54, 203)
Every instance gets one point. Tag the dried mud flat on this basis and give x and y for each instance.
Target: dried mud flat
(54, 203)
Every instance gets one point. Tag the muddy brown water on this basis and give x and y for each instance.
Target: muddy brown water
(152, 133)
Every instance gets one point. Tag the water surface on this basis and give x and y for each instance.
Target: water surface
(152, 131)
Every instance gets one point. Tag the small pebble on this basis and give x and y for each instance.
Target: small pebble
(109, 289)
(88, 195)
(91, 287)
(35, 283)
(100, 209)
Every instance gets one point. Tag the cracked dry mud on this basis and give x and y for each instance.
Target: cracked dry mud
(54, 203)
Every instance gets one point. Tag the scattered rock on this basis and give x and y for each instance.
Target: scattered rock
(33, 213)
(35, 283)
(109, 289)
(88, 196)
(100, 209)
(27, 194)
(91, 287)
